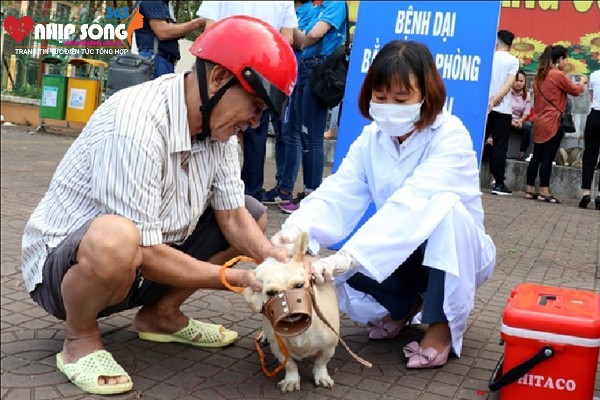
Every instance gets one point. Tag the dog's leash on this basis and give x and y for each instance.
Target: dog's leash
(261, 354)
(322, 317)
(231, 263)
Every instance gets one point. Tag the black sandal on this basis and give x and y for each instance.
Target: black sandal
(549, 199)
(531, 195)
(585, 200)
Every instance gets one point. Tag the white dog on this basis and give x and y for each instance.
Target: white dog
(318, 340)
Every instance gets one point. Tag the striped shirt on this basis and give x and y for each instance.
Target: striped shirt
(135, 158)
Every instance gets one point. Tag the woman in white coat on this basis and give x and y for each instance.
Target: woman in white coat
(425, 248)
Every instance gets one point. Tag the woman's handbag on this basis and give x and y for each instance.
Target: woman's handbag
(328, 79)
(567, 124)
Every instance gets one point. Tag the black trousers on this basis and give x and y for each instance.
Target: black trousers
(255, 150)
(399, 291)
(498, 127)
(526, 135)
(543, 156)
(591, 149)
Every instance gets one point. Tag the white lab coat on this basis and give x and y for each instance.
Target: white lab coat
(425, 189)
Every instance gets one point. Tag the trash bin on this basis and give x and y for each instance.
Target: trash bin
(84, 88)
(54, 89)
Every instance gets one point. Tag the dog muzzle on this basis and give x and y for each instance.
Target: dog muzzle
(290, 312)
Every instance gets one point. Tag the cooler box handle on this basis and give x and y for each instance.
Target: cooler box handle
(519, 370)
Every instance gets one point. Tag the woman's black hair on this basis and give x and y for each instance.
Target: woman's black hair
(395, 63)
(524, 93)
(549, 57)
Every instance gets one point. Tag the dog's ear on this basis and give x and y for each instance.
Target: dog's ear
(254, 299)
(300, 247)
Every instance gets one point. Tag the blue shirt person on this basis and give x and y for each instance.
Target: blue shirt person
(160, 23)
(325, 31)
(333, 13)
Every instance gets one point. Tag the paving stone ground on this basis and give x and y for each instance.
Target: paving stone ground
(556, 245)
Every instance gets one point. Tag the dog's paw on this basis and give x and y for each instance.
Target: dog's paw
(289, 385)
(324, 381)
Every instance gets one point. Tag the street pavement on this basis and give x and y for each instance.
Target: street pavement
(556, 245)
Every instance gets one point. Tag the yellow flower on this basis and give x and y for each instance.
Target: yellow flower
(576, 67)
(564, 43)
(591, 40)
(526, 48)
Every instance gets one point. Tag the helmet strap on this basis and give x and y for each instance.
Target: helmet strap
(208, 103)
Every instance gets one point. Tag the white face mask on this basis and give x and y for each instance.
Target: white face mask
(395, 119)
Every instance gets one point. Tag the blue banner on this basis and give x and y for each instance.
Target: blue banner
(461, 36)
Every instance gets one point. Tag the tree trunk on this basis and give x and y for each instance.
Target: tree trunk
(176, 9)
(92, 12)
(44, 44)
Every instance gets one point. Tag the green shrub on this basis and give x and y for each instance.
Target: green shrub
(29, 91)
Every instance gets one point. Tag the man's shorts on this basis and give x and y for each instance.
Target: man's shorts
(205, 241)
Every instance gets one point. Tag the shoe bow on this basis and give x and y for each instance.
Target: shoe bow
(426, 356)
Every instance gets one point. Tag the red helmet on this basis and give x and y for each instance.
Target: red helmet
(260, 57)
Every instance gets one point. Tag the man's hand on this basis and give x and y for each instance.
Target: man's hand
(494, 102)
(247, 278)
(326, 268)
(286, 237)
(199, 23)
(279, 253)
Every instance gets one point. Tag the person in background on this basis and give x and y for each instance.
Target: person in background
(282, 16)
(425, 248)
(526, 146)
(145, 206)
(325, 32)
(504, 71)
(521, 108)
(333, 120)
(288, 145)
(550, 90)
(160, 24)
(591, 137)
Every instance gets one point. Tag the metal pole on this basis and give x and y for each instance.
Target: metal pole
(2, 36)
(44, 44)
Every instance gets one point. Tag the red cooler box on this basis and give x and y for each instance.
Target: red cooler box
(552, 340)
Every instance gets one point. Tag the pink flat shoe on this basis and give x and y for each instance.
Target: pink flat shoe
(390, 329)
(419, 358)
(384, 330)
